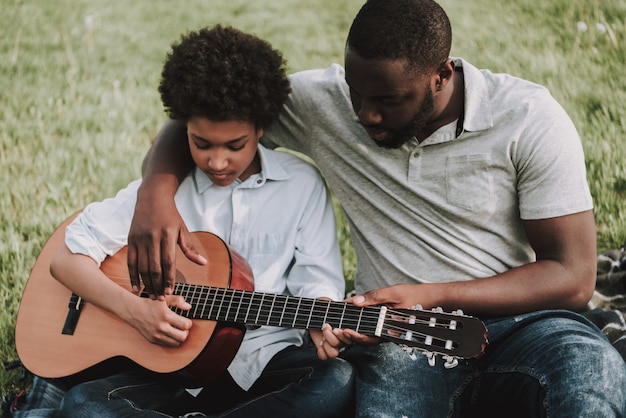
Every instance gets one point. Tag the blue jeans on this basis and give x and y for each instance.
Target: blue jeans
(541, 364)
(42, 401)
(294, 383)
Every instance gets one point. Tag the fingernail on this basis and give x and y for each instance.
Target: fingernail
(359, 299)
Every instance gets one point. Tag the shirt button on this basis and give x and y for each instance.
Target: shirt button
(417, 154)
(259, 181)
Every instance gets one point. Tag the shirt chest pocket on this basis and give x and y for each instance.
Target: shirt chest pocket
(470, 182)
(266, 244)
(269, 258)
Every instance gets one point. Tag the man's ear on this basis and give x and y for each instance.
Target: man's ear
(445, 74)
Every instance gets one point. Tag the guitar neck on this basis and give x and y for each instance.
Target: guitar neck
(256, 308)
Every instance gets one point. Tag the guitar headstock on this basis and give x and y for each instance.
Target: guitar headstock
(453, 335)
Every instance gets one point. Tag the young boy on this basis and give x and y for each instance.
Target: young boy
(271, 207)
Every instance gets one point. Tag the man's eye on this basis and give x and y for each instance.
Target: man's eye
(390, 102)
(239, 148)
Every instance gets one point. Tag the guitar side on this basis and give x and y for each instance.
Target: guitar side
(101, 336)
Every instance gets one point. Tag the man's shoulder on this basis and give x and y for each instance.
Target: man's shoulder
(500, 86)
(294, 163)
(318, 81)
(333, 72)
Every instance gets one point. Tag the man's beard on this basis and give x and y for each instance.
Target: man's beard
(415, 126)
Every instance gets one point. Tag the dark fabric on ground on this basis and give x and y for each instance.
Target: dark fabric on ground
(608, 304)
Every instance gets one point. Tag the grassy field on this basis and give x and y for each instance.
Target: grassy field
(79, 105)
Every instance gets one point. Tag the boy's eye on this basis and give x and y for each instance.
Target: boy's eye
(201, 145)
(236, 148)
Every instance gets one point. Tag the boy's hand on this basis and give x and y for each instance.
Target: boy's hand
(157, 323)
(155, 231)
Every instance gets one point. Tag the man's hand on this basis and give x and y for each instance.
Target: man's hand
(397, 296)
(155, 231)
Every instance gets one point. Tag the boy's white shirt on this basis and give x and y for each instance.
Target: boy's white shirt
(280, 220)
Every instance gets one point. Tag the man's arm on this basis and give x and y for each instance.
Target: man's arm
(157, 227)
(563, 277)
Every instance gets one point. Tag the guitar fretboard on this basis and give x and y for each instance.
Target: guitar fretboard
(256, 308)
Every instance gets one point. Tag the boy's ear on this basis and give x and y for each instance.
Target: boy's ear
(259, 132)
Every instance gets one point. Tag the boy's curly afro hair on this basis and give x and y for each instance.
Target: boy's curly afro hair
(223, 74)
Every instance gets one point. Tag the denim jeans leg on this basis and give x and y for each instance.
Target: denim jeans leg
(549, 364)
(42, 401)
(389, 383)
(296, 383)
(542, 364)
(131, 394)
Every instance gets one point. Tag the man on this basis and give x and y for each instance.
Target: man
(464, 189)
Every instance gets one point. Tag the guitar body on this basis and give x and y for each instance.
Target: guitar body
(100, 338)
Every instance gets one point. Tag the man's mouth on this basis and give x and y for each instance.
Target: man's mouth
(377, 133)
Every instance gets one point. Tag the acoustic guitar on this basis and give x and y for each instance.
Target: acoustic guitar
(58, 335)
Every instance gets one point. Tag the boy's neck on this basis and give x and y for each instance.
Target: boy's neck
(253, 168)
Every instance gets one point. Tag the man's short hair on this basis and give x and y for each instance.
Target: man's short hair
(416, 30)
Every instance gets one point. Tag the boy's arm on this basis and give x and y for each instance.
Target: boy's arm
(152, 319)
(157, 227)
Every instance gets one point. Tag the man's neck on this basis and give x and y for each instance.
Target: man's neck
(453, 100)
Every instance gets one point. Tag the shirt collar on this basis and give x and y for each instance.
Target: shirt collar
(478, 115)
(271, 169)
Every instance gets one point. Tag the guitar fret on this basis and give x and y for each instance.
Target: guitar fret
(269, 315)
(204, 294)
(289, 310)
(318, 315)
(308, 322)
(238, 304)
(295, 316)
(351, 317)
(343, 312)
(258, 313)
(326, 313)
(245, 320)
(221, 304)
(213, 299)
(282, 314)
(231, 303)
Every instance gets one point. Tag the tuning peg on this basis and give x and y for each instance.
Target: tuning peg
(431, 358)
(451, 362)
(458, 312)
(410, 351)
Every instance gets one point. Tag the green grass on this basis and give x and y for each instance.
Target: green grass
(79, 105)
